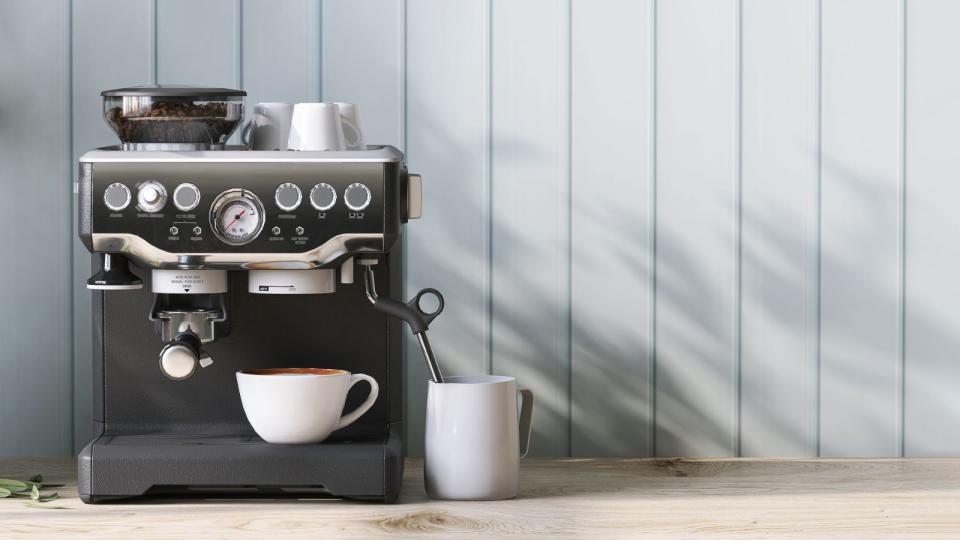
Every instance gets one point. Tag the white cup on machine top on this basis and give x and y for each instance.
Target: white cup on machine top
(325, 127)
(316, 126)
(270, 127)
(474, 438)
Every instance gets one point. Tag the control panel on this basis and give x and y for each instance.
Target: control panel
(254, 207)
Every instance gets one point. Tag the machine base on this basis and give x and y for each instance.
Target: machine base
(364, 465)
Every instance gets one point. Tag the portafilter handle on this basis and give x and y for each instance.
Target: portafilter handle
(411, 313)
(179, 358)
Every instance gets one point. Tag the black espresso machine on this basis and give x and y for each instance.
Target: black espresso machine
(186, 296)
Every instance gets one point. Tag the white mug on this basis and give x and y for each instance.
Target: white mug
(270, 127)
(352, 132)
(300, 405)
(474, 439)
(316, 126)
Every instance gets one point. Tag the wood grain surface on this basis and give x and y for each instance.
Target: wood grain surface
(599, 498)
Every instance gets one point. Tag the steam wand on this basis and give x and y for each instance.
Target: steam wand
(411, 313)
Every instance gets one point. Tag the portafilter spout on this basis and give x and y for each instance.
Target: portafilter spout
(411, 313)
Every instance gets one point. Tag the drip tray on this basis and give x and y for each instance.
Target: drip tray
(363, 465)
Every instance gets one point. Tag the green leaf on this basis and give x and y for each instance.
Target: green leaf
(35, 492)
(32, 504)
(13, 485)
(4, 492)
(37, 478)
(48, 498)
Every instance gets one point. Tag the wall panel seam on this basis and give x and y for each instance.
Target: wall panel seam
(819, 232)
(653, 230)
(238, 44)
(71, 232)
(567, 218)
(319, 5)
(738, 235)
(154, 56)
(902, 240)
(488, 195)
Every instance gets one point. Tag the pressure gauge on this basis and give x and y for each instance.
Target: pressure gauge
(236, 217)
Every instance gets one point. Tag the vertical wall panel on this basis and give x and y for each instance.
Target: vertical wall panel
(35, 170)
(197, 42)
(528, 204)
(447, 143)
(860, 228)
(363, 63)
(932, 408)
(779, 228)
(113, 42)
(696, 227)
(289, 31)
(611, 225)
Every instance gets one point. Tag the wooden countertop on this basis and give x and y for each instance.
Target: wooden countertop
(560, 497)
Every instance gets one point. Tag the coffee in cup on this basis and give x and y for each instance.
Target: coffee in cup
(300, 405)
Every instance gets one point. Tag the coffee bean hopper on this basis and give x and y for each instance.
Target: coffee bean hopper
(216, 259)
(168, 117)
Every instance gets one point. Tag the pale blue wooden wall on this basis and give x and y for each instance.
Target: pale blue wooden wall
(693, 227)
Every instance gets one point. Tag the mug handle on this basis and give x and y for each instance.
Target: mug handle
(245, 133)
(526, 420)
(348, 126)
(352, 416)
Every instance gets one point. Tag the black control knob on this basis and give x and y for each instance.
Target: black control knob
(357, 197)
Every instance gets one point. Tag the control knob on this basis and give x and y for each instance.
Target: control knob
(287, 197)
(116, 196)
(151, 197)
(323, 196)
(357, 196)
(186, 197)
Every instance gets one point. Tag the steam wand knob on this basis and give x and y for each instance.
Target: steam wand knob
(114, 274)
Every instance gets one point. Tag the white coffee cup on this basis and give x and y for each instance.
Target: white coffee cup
(300, 405)
(352, 132)
(473, 437)
(270, 127)
(316, 126)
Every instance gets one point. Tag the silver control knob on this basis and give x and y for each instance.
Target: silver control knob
(299, 231)
(323, 197)
(197, 230)
(275, 230)
(151, 197)
(357, 196)
(186, 197)
(288, 197)
(178, 361)
(174, 230)
(116, 197)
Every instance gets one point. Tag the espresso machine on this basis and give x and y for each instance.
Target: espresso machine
(214, 259)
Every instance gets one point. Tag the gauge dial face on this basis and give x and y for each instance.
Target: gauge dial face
(236, 217)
